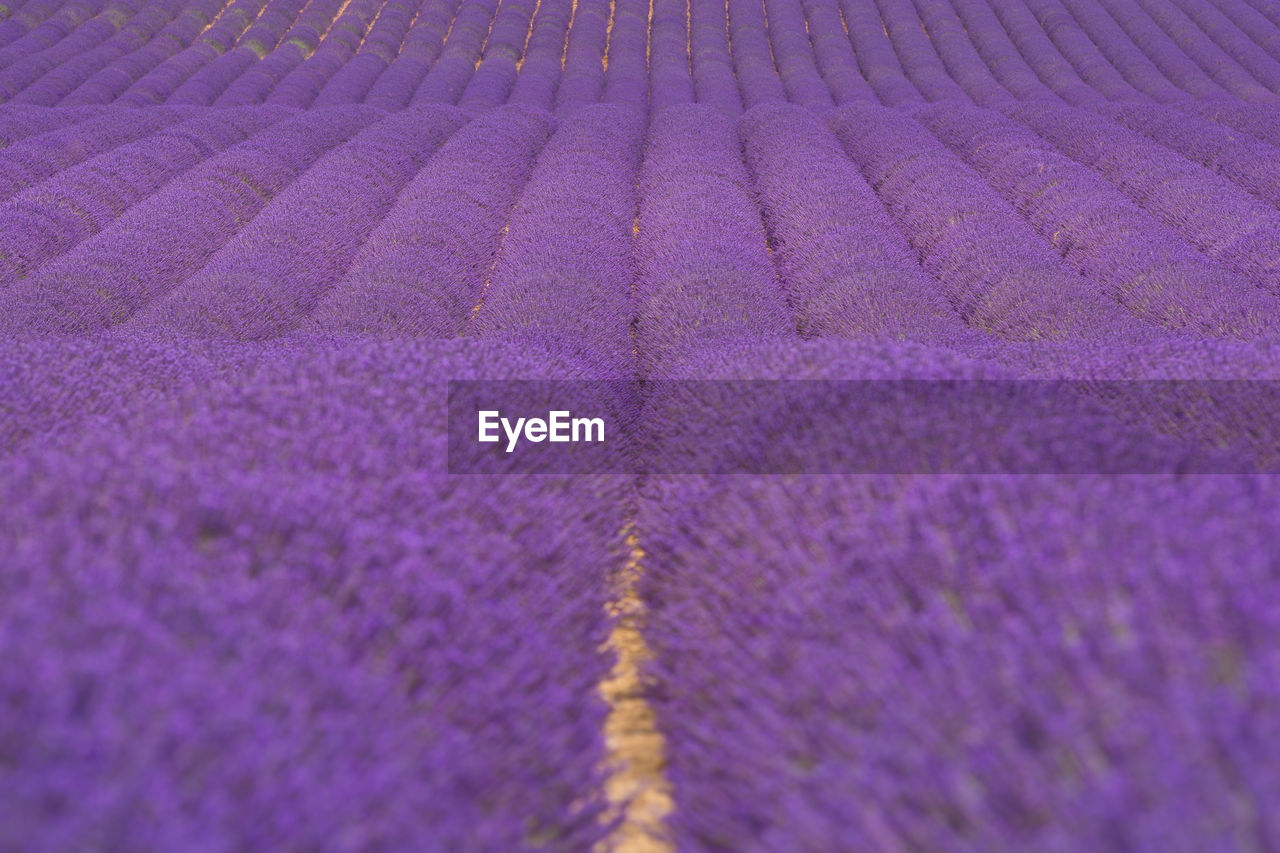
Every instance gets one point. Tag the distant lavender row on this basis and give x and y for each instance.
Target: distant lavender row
(156, 244)
(481, 53)
(704, 272)
(563, 277)
(1218, 217)
(272, 272)
(203, 77)
(157, 83)
(422, 270)
(37, 157)
(846, 268)
(52, 216)
(998, 275)
(76, 59)
(1130, 253)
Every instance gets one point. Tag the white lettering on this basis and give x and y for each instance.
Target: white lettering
(488, 426)
(559, 427)
(588, 425)
(512, 434)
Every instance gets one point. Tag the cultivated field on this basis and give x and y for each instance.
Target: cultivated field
(246, 606)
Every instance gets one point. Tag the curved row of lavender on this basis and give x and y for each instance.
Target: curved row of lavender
(244, 245)
(481, 53)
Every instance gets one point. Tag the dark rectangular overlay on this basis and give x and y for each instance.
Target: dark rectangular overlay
(870, 427)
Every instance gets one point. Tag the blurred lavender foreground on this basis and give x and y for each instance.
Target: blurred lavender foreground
(245, 246)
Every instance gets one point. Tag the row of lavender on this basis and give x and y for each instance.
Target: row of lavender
(1026, 223)
(562, 54)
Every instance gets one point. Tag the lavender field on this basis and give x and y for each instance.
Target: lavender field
(245, 604)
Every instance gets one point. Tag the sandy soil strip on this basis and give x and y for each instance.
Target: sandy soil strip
(636, 786)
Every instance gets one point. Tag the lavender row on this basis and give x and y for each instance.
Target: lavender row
(753, 60)
(381, 44)
(1261, 121)
(337, 45)
(1018, 52)
(1247, 163)
(879, 63)
(811, 52)
(539, 71)
(833, 52)
(1061, 55)
(1184, 40)
(158, 83)
(1267, 12)
(39, 157)
(1128, 252)
(61, 78)
(847, 269)
(712, 64)
(670, 65)
(1153, 44)
(959, 56)
(1084, 49)
(964, 663)
(449, 75)
(394, 87)
(919, 60)
(503, 50)
(582, 80)
(1230, 45)
(59, 22)
(19, 17)
(1219, 218)
(626, 78)
(113, 76)
(211, 79)
(793, 54)
(424, 268)
(1220, 19)
(159, 243)
(565, 270)
(76, 203)
(87, 35)
(998, 275)
(299, 42)
(704, 273)
(19, 122)
(263, 280)
(1132, 62)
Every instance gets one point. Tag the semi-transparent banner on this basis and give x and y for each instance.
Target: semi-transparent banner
(864, 427)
